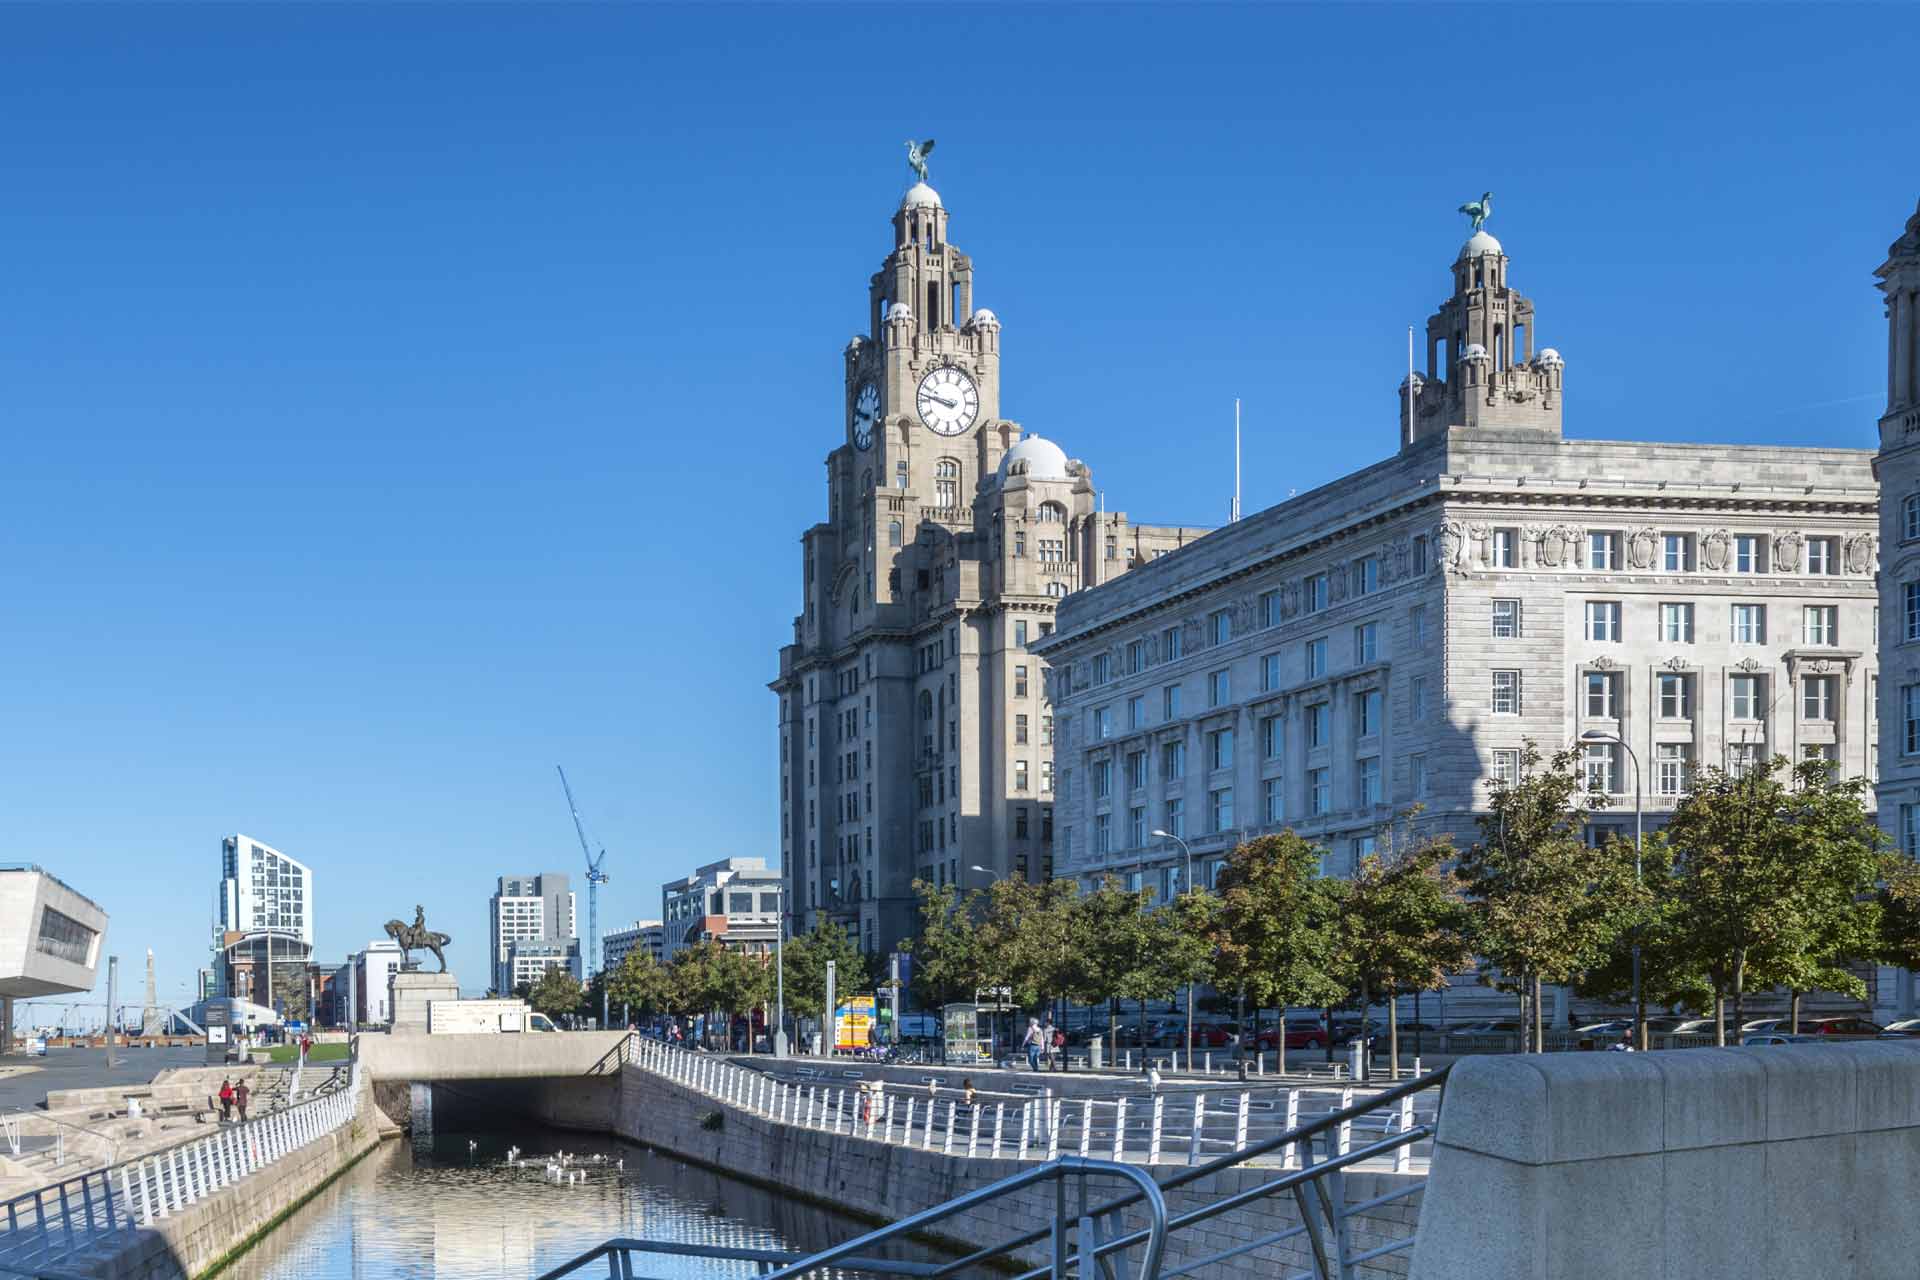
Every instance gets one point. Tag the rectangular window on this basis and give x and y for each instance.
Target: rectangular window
(1603, 621)
(1220, 806)
(1313, 594)
(1275, 800)
(1046, 783)
(1366, 713)
(1020, 730)
(1506, 548)
(1046, 734)
(1603, 550)
(1601, 703)
(1102, 723)
(1822, 624)
(1220, 749)
(1020, 633)
(1219, 688)
(1102, 668)
(1137, 827)
(1137, 711)
(1319, 791)
(1367, 780)
(1677, 552)
(1317, 725)
(1019, 775)
(1417, 771)
(1506, 619)
(1747, 697)
(1273, 737)
(1826, 752)
(1823, 555)
(1506, 768)
(1222, 625)
(1136, 657)
(1270, 672)
(1506, 693)
(1676, 623)
(1102, 771)
(1366, 575)
(1910, 597)
(1749, 553)
(1270, 608)
(1102, 833)
(1316, 653)
(1749, 624)
(1170, 702)
(1910, 719)
(1176, 816)
(1816, 698)
(1419, 555)
(1171, 643)
(1417, 626)
(1670, 769)
(1173, 760)
(1598, 765)
(1417, 696)
(1020, 682)
(1366, 643)
(1676, 697)
(1136, 770)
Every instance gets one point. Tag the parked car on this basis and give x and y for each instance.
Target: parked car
(1613, 1028)
(1497, 1026)
(1302, 1033)
(1755, 1026)
(1902, 1027)
(1777, 1037)
(1841, 1028)
(1217, 1035)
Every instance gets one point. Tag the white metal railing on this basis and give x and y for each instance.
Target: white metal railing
(68, 1218)
(1178, 1125)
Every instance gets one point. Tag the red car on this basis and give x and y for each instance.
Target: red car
(1841, 1028)
(1302, 1033)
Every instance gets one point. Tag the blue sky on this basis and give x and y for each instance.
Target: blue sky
(399, 401)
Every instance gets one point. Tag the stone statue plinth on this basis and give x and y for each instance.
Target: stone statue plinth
(411, 992)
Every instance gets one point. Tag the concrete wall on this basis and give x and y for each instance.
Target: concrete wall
(879, 1181)
(526, 1055)
(1706, 1163)
(190, 1241)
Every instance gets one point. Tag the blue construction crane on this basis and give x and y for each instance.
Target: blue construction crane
(595, 878)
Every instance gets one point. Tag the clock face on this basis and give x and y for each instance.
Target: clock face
(948, 401)
(866, 415)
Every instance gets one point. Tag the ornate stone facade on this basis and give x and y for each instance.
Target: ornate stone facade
(915, 730)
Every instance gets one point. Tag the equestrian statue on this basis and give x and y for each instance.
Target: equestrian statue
(417, 936)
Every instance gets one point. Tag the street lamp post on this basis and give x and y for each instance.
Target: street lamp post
(780, 977)
(1186, 886)
(1639, 998)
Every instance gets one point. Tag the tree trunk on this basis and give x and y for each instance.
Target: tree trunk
(1739, 992)
(1280, 1038)
(1113, 1026)
(1366, 1046)
(1719, 1019)
(1794, 1012)
(1328, 1027)
(1393, 1035)
(1526, 1021)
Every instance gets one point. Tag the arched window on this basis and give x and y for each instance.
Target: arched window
(1910, 516)
(1056, 588)
(1052, 513)
(866, 481)
(926, 707)
(893, 533)
(946, 483)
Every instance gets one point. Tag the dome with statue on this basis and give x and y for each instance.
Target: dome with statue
(1548, 356)
(920, 196)
(983, 319)
(1473, 351)
(1036, 459)
(1480, 244)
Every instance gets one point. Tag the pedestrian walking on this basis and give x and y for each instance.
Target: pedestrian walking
(226, 1100)
(240, 1095)
(967, 1084)
(1059, 1042)
(1031, 1043)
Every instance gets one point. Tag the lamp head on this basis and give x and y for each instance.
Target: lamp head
(1163, 835)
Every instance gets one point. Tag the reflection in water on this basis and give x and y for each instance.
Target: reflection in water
(452, 1214)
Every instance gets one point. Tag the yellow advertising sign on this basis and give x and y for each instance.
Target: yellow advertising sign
(855, 1023)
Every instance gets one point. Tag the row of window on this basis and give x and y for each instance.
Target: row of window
(1819, 623)
(1604, 551)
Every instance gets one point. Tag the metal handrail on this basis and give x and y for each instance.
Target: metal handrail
(852, 1253)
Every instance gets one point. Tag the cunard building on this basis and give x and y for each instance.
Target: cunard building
(916, 736)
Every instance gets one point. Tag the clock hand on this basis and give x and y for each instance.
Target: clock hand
(951, 404)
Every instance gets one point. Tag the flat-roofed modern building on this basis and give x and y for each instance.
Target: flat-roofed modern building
(647, 935)
(529, 909)
(50, 939)
(1397, 636)
(735, 901)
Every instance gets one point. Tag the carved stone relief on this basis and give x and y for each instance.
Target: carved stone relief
(1290, 598)
(1786, 551)
(1860, 553)
(1713, 550)
(1603, 662)
(1244, 613)
(1451, 539)
(1336, 585)
(1482, 536)
(1642, 546)
(1396, 555)
(1748, 665)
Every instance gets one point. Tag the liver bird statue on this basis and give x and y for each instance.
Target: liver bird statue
(1479, 210)
(917, 153)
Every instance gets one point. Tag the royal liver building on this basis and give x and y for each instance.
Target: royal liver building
(1396, 637)
(916, 738)
(1898, 467)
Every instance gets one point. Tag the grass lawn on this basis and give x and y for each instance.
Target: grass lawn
(321, 1053)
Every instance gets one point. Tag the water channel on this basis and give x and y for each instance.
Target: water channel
(444, 1212)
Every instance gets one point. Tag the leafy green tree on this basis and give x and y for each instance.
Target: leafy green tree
(1030, 939)
(1777, 872)
(1402, 928)
(1899, 923)
(1274, 934)
(806, 969)
(1183, 931)
(1546, 906)
(639, 983)
(1118, 941)
(1671, 974)
(948, 960)
(556, 994)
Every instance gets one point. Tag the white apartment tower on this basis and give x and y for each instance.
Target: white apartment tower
(529, 909)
